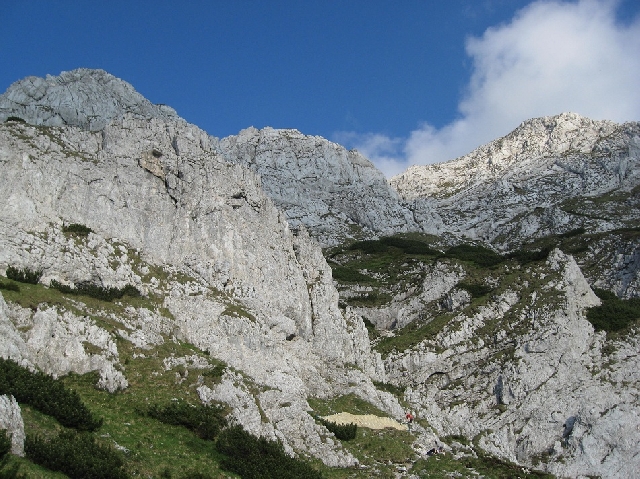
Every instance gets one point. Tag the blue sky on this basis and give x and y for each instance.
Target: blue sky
(405, 81)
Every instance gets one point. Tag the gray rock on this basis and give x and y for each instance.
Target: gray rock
(320, 184)
(11, 421)
(89, 99)
(515, 188)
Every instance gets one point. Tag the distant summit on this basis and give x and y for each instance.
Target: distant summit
(86, 98)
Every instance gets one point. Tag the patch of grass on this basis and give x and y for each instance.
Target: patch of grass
(381, 446)
(348, 403)
(412, 334)
(397, 391)
(154, 448)
(345, 274)
(444, 466)
(236, 310)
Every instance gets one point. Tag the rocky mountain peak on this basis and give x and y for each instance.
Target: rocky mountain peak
(320, 184)
(84, 97)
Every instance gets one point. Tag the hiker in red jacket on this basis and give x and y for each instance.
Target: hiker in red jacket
(409, 417)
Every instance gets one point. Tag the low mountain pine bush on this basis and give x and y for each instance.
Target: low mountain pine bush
(258, 458)
(78, 455)
(344, 432)
(94, 291)
(24, 275)
(47, 395)
(205, 420)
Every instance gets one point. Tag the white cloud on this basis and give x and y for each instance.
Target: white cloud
(552, 57)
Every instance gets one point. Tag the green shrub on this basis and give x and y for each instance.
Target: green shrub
(9, 286)
(349, 275)
(477, 254)
(397, 391)
(344, 432)
(573, 232)
(528, 256)
(77, 229)
(258, 458)
(205, 420)
(17, 119)
(46, 394)
(605, 294)
(383, 244)
(94, 291)
(369, 246)
(5, 443)
(25, 275)
(409, 246)
(78, 455)
(614, 315)
(475, 290)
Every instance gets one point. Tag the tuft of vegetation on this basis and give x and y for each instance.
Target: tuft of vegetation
(573, 232)
(524, 256)
(349, 275)
(480, 255)
(371, 329)
(383, 245)
(206, 421)
(344, 432)
(614, 314)
(475, 290)
(78, 455)
(94, 291)
(9, 286)
(15, 119)
(77, 229)
(397, 391)
(24, 275)
(5, 443)
(7, 471)
(47, 395)
(258, 458)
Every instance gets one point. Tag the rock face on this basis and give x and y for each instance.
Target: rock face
(533, 182)
(335, 193)
(86, 98)
(525, 376)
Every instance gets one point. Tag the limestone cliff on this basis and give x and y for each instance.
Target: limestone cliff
(335, 193)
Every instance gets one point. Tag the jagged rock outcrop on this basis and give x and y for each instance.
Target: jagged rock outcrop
(521, 186)
(87, 98)
(335, 193)
(11, 422)
(526, 377)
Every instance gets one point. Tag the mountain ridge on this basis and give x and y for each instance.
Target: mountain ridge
(222, 238)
